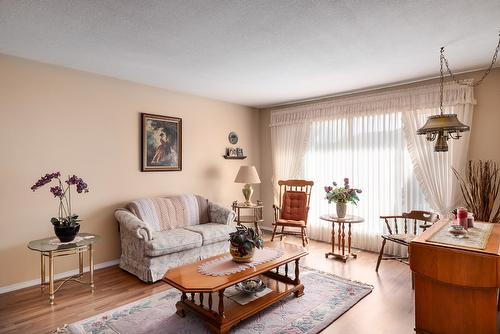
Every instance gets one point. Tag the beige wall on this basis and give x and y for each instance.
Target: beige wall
(485, 135)
(484, 142)
(52, 118)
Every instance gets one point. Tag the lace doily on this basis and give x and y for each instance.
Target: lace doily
(226, 266)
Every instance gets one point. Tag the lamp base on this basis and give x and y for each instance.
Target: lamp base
(247, 193)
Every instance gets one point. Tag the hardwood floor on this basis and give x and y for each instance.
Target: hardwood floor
(388, 309)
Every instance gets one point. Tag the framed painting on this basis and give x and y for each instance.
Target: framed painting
(161, 143)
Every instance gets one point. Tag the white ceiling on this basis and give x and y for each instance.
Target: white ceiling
(253, 52)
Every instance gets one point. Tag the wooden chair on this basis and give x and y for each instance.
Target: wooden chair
(293, 209)
(423, 218)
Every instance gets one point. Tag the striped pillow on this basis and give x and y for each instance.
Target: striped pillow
(166, 213)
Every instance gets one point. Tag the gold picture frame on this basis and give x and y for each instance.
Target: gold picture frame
(161, 143)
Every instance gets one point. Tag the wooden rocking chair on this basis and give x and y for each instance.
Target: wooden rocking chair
(293, 209)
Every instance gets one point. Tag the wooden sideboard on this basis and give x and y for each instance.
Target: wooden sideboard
(456, 288)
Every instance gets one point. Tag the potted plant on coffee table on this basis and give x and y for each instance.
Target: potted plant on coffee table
(66, 224)
(243, 243)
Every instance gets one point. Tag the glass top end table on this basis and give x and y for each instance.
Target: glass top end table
(51, 248)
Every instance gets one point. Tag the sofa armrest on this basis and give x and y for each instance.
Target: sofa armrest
(220, 214)
(129, 221)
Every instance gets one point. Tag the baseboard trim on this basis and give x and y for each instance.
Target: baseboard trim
(22, 285)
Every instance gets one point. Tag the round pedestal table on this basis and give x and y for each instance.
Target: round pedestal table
(342, 251)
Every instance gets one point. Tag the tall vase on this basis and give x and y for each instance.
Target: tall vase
(341, 210)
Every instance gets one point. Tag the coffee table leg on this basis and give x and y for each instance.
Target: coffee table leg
(300, 288)
(180, 308)
(180, 305)
(221, 303)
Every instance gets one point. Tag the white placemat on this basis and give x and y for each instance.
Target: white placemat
(476, 237)
(223, 266)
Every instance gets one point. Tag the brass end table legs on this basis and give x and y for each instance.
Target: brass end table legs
(49, 250)
(51, 255)
(51, 278)
(91, 265)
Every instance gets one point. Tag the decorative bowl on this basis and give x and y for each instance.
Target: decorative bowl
(457, 231)
(252, 285)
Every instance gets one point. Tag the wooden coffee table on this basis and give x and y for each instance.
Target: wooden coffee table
(206, 293)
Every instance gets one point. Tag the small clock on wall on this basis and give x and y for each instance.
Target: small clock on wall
(233, 138)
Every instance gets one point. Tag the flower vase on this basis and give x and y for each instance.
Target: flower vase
(341, 210)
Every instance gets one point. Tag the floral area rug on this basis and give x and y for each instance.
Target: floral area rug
(326, 297)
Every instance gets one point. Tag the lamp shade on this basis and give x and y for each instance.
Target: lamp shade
(248, 175)
(443, 122)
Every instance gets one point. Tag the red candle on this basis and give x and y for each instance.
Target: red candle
(462, 217)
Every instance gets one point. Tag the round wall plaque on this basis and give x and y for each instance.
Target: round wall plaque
(233, 137)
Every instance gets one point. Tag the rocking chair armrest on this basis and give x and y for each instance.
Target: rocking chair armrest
(276, 210)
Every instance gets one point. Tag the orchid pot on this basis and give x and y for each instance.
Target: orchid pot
(66, 233)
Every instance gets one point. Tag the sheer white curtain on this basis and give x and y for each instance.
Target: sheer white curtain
(288, 146)
(363, 138)
(370, 150)
(432, 169)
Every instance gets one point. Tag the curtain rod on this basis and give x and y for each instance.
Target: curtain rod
(326, 98)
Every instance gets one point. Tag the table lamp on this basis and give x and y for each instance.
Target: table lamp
(247, 175)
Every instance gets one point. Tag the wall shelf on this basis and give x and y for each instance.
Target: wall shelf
(234, 158)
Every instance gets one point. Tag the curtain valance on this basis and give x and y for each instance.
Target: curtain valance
(420, 97)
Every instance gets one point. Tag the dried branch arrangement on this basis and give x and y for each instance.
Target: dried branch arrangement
(480, 188)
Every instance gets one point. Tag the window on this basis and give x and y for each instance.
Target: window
(370, 150)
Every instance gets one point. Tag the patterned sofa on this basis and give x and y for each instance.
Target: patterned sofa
(161, 233)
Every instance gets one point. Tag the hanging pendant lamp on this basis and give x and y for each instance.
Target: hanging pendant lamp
(445, 126)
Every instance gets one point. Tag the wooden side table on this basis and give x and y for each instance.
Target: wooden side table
(254, 217)
(343, 253)
(50, 248)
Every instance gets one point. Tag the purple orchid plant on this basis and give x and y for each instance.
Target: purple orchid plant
(62, 191)
(342, 194)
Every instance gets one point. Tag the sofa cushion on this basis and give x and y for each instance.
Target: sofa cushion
(212, 232)
(172, 241)
(166, 213)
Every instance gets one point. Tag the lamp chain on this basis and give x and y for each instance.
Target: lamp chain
(441, 80)
(453, 77)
